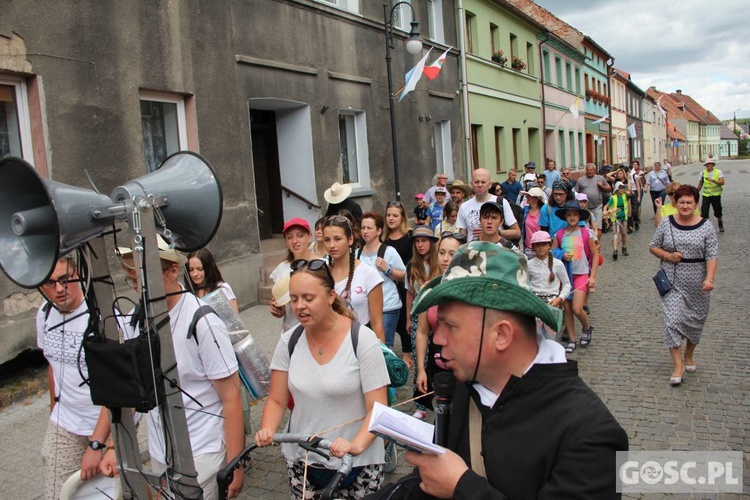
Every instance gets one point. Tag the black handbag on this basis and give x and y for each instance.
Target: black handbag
(663, 285)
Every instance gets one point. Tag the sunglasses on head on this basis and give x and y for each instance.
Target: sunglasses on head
(341, 219)
(394, 204)
(338, 218)
(457, 236)
(312, 265)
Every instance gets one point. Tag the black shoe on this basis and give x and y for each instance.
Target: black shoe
(625, 252)
(586, 309)
(564, 337)
(630, 230)
(614, 256)
(637, 226)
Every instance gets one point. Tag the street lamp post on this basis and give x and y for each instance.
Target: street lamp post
(735, 121)
(413, 46)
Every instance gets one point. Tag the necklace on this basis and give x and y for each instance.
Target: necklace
(320, 346)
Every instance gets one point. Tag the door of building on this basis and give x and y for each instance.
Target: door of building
(267, 174)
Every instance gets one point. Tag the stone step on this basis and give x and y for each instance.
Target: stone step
(270, 261)
(264, 294)
(277, 242)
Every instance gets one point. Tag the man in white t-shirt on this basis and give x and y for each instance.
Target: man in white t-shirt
(77, 429)
(468, 214)
(208, 379)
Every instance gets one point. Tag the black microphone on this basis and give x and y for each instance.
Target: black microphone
(444, 383)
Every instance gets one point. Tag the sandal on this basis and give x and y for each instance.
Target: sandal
(586, 336)
(570, 347)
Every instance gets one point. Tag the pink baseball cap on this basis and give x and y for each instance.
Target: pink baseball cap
(582, 197)
(540, 237)
(296, 221)
(418, 196)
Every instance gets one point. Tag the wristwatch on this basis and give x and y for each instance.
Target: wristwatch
(97, 445)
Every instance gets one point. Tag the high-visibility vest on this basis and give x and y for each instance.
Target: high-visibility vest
(617, 198)
(711, 188)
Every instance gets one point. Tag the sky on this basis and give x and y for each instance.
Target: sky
(701, 47)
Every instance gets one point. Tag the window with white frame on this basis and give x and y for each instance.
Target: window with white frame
(435, 20)
(163, 126)
(443, 148)
(355, 164)
(15, 125)
(402, 17)
(348, 5)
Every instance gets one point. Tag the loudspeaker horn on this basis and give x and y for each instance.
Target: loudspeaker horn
(194, 199)
(42, 220)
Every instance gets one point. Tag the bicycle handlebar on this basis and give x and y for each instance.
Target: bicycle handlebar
(314, 445)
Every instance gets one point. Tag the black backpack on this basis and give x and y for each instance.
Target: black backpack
(381, 251)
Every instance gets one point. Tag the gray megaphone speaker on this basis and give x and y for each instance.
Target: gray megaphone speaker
(42, 220)
(194, 199)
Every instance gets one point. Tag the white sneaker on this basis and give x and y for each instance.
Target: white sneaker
(420, 414)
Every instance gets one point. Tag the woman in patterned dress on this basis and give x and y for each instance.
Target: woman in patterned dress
(688, 249)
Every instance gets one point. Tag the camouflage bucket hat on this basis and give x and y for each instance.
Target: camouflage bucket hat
(487, 275)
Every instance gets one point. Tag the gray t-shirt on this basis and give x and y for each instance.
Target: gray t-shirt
(591, 188)
(329, 395)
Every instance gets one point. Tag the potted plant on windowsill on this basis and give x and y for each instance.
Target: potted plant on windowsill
(518, 64)
(499, 57)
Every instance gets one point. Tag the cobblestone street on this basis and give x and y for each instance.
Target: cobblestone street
(626, 364)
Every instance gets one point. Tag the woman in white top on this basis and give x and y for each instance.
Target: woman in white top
(391, 269)
(361, 287)
(657, 181)
(205, 276)
(334, 388)
(298, 237)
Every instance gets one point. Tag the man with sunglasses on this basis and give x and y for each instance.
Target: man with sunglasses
(77, 430)
(544, 185)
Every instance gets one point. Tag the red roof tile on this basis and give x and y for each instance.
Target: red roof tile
(675, 109)
(673, 133)
(550, 21)
(702, 114)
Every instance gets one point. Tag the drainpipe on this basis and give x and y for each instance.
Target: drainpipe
(464, 87)
(610, 65)
(544, 114)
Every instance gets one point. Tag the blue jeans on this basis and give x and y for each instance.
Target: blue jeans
(390, 321)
